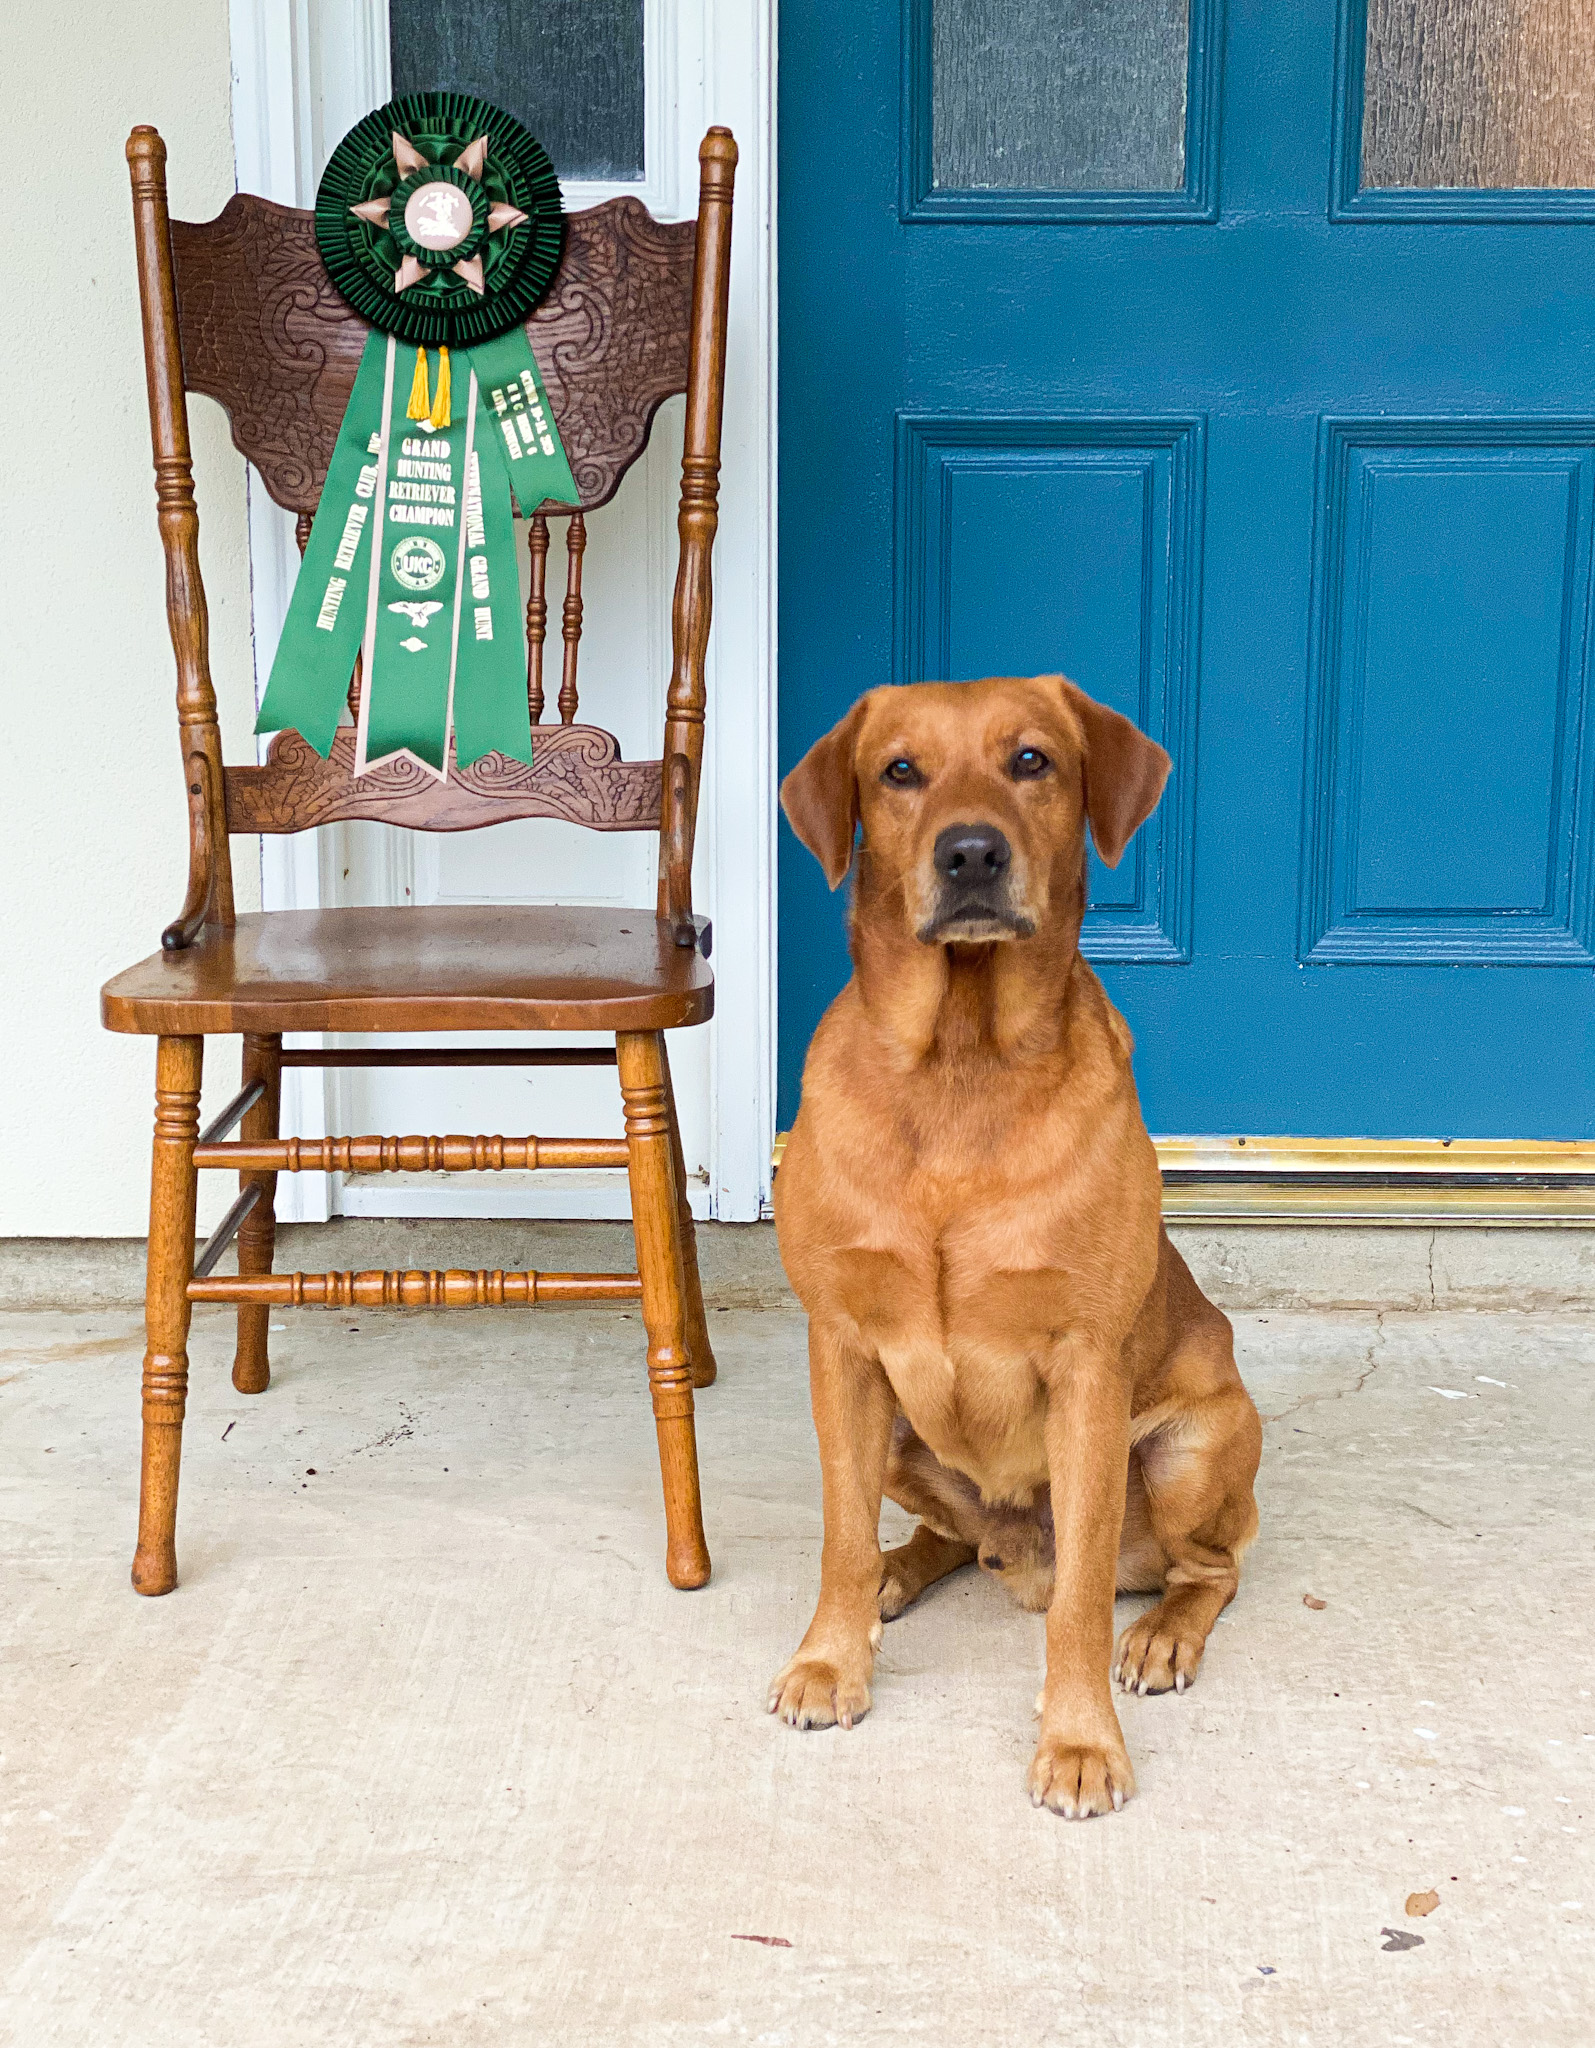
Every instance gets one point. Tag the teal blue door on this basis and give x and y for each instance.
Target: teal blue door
(1241, 364)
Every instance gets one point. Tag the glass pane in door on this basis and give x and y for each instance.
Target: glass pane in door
(570, 69)
(1479, 94)
(1059, 95)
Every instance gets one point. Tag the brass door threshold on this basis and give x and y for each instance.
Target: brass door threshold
(1522, 1182)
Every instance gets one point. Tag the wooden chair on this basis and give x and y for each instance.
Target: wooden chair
(239, 308)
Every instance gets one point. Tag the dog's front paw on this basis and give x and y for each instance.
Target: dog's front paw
(812, 1692)
(1078, 1779)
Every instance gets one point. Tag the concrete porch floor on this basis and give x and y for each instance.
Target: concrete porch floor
(424, 1749)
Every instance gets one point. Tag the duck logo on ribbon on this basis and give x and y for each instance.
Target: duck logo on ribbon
(439, 221)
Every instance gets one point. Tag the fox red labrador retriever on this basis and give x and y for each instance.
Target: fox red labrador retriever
(1001, 1336)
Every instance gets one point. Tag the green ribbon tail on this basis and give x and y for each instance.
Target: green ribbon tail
(529, 442)
(412, 554)
(310, 673)
(490, 709)
(411, 616)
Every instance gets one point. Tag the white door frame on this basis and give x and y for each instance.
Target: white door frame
(303, 71)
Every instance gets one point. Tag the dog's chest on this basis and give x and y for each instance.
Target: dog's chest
(964, 1345)
(966, 1233)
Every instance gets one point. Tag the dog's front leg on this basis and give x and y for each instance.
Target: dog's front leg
(1081, 1766)
(828, 1680)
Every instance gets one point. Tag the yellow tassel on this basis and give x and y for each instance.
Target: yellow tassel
(420, 401)
(440, 404)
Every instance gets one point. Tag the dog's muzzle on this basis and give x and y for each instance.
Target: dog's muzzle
(972, 864)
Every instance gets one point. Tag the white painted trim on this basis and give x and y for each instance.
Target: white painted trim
(739, 48)
(264, 98)
(603, 1193)
(271, 46)
(303, 70)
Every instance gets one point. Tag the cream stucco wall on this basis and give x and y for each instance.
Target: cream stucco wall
(93, 831)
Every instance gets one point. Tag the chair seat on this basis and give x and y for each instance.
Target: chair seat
(433, 968)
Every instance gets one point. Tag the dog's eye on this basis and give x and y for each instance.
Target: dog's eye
(902, 774)
(1027, 764)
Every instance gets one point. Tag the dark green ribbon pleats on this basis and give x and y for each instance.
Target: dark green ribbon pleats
(412, 558)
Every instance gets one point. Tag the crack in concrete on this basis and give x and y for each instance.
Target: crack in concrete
(1369, 1367)
(1432, 1235)
(1415, 1509)
(396, 1435)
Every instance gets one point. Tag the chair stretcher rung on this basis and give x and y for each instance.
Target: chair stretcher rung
(224, 1233)
(450, 1056)
(243, 1101)
(416, 1289)
(409, 1155)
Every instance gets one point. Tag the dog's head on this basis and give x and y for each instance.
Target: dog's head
(974, 799)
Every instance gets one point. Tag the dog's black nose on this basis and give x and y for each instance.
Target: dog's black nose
(971, 854)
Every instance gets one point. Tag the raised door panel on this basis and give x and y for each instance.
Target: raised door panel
(1448, 819)
(1027, 546)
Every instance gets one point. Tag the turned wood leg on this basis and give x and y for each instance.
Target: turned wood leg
(257, 1235)
(171, 1264)
(656, 1219)
(699, 1350)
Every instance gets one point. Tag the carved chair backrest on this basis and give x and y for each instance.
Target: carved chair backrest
(240, 309)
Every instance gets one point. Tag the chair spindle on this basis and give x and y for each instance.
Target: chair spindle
(536, 613)
(210, 873)
(575, 548)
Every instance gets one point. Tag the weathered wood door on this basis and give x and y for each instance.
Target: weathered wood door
(1240, 363)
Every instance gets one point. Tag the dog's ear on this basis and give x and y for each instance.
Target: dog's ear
(1124, 773)
(820, 796)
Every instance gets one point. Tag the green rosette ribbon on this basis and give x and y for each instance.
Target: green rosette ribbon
(439, 221)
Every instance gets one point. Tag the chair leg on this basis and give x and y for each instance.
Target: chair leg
(257, 1234)
(656, 1219)
(178, 1064)
(699, 1350)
